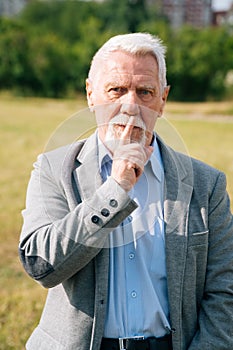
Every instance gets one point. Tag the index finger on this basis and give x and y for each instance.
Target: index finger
(126, 134)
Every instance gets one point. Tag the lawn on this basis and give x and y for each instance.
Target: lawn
(30, 126)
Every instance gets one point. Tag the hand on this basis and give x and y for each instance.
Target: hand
(129, 159)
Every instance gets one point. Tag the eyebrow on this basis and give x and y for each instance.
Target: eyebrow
(146, 87)
(120, 84)
(114, 84)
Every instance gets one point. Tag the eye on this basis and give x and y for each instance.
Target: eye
(115, 92)
(118, 90)
(145, 94)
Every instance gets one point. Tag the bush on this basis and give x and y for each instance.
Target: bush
(48, 49)
(13, 55)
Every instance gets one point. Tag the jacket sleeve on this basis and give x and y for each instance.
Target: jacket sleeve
(57, 242)
(215, 321)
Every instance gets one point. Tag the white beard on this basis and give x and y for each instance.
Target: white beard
(113, 134)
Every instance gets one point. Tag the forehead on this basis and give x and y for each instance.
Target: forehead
(124, 66)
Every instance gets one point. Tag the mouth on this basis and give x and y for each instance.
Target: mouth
(122, 126)
(117, 127)
(136, 133)
(120, 121)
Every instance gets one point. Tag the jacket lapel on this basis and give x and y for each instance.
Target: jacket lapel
(178, 192)
(87, 173)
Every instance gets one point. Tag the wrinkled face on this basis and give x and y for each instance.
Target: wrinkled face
(125, 85)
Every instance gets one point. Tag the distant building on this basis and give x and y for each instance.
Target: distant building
(219, 17)
(197, 13)
(10, 8)
(229, 17)
(223, 17)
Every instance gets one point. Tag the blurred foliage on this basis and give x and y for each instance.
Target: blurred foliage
(199, 62)
(47, 49)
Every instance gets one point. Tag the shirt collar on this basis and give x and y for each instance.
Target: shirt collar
(155, 160)
(103, 153)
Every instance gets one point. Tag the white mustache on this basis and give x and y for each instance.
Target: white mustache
(123, 119)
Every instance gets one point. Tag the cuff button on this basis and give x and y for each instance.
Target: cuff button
(95, 219)
(113, 203)
(105, 212)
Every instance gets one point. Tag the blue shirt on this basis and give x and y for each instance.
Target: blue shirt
(137, 300)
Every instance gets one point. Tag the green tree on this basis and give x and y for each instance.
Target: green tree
(198, 63)
(14, 48)
(82, 51)
(50, 63)
(48, 48)
(122, 16)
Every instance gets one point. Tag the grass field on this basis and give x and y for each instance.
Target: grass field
(27, 128)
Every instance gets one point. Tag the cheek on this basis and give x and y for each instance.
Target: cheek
(101, 117)
(151, 113)
(150, 117)
(104, 113)
(98, 93)
(150, 124)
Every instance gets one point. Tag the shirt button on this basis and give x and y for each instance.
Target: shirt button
(133, 294)
(113, 203)
(131, 255)
(95, 219)
(105, 212)
(130, 218)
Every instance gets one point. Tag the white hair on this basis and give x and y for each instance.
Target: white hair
(138, 44)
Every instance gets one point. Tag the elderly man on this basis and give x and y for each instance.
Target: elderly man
(133, 240)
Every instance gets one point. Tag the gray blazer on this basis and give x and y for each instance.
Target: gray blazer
(63, 245)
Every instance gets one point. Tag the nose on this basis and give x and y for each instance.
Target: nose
(129, 103)
(130, 109)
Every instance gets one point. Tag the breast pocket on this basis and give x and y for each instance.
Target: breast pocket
(198, 239)
(196, 265)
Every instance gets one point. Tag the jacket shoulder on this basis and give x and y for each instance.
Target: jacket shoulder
(62, 158)
(204, 176)
(185, 160)
(196, 172)
(68, 151)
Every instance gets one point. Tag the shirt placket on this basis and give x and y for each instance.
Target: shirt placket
(132, 283)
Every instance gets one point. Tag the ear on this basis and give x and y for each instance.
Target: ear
(89, 93)
(164, 98)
